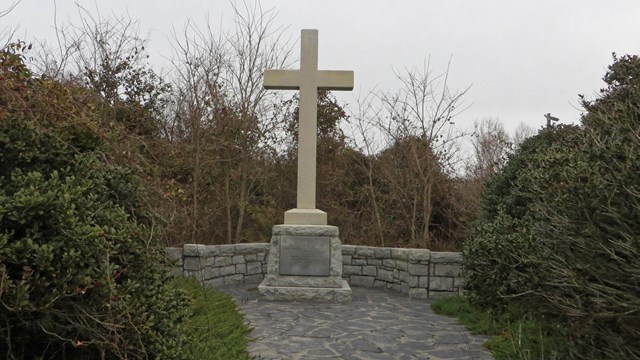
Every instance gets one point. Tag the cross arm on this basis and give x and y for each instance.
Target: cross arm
(282, 79)
(335, 80)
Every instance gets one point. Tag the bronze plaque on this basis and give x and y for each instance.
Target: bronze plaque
(305, 255)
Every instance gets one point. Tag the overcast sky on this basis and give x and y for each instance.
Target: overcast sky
(522, 58)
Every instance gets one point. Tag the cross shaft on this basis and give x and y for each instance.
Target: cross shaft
(308, 79)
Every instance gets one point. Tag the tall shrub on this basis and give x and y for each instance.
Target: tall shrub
(79, 276)
(560, 234)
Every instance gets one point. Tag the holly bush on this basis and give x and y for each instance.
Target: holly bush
(560, 230)
(81, 277)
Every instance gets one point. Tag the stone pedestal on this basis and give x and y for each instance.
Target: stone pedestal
(305, 263)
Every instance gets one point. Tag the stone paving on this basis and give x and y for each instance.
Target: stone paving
(378, 324)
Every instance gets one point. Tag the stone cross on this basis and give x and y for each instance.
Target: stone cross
(309, 80)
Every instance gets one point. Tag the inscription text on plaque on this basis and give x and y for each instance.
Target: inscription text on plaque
(305, 255)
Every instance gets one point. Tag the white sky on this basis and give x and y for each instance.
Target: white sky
(522, 58)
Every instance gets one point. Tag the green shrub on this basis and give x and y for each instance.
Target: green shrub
(501, 259)
(80, 277)
(560, 234)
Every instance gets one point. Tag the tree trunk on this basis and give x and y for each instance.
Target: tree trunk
(376, 211)
(242, 203)
(228, 209)
(196, 177)
(427, 209)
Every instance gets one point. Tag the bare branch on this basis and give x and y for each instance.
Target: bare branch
(13, 5)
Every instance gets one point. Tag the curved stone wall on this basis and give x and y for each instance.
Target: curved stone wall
(419, 273)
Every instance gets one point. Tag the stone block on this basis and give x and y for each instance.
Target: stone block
(339, 295)
(419, 255)
(348, 250)
(346, 259)
(303, 281)
(441, 283)
(192, 263)
(241, 268)
(423, 282)
(382, 253)
(365, 251)
(385, 275)
(254, 268)
(447, 270)
(214, 282)
(400, 254)
(369, 270)
(233, 279)
(305, 230)
(251, 257)
(458, 282)
(223, 261)
(379, 284)
(446, 257)
(352, 270)
(252, 248)
(238, 259)
(402, 265)
(418, 269)
(377, 262)
(207, 261)
(211, 273)
(404, 288)
(358, 261)
(407, 278)
(229, 249)
(390, 263)
(418, 293)
(335, 268)
(364, 281)
(396, 275)
(200, 250)
(227, 270)
(253, 279)
(394, 287)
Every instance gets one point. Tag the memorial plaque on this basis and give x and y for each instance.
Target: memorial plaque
(305, 255)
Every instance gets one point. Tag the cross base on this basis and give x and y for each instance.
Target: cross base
(305, 217)
(305, 263)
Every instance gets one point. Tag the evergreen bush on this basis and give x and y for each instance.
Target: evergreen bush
(560, 234)
(80, 277)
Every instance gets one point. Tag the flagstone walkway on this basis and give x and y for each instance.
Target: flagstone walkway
(378, 324)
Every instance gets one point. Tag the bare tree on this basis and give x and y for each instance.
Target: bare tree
(491, 146)
(522, 132)
(9, 9)
(94, 50)
(7, 35)
(418, 124)
(224, 109)
(367, 139)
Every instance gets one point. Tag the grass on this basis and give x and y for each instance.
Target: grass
(216, 330)
(514, 335)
